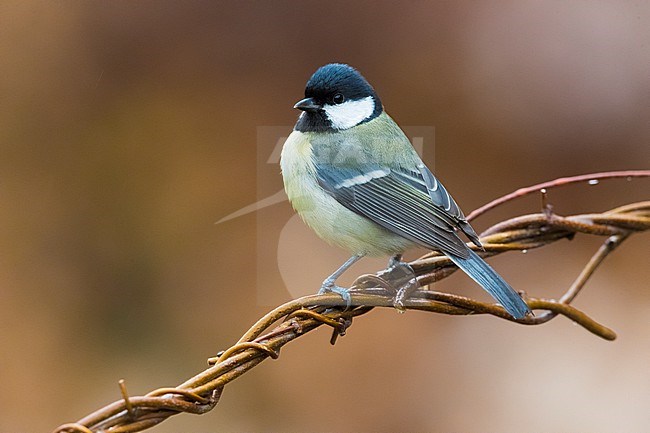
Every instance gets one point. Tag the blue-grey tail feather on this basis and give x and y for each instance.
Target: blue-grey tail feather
(486, 277)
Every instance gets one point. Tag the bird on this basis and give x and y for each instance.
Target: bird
(355, 179)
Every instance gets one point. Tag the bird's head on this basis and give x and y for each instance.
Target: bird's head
(337, 97)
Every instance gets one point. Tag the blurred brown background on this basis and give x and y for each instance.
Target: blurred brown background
(127, 129)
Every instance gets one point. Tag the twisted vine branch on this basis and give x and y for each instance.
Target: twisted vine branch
(287, 322)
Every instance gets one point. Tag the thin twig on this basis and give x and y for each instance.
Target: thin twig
(594, 177)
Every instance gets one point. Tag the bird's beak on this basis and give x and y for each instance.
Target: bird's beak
(308, 104)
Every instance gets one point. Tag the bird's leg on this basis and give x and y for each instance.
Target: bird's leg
(329, 283)
(402, 278)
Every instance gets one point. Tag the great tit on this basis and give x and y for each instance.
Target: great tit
(355, 179)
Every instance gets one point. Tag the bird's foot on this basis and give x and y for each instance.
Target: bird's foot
(329, 287)
(403, 293)
(401, 278)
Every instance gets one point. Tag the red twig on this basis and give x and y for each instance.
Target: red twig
(555, 183)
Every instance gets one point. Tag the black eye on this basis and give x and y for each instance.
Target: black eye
(338, 99)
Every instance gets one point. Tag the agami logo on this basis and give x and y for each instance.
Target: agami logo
(291, 261)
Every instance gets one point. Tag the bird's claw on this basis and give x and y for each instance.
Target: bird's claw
(330, 287)
(400, 276)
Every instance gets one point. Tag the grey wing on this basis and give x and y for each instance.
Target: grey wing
(398, 200)
(442, 198)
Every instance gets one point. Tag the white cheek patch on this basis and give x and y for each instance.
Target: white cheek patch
(349, 113)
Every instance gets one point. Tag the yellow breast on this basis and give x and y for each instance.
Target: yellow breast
(322, 213)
